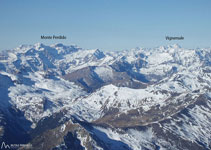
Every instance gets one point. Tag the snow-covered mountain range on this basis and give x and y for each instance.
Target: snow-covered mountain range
(66, 97)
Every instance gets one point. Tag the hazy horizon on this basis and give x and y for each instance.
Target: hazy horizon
(105, 50)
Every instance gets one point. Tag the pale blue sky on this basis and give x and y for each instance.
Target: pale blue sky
(106, 24)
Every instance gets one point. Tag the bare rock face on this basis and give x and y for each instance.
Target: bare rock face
(89, 79)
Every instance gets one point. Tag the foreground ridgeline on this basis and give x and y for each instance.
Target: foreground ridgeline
(66, 97)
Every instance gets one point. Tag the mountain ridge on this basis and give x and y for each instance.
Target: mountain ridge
(110, 91)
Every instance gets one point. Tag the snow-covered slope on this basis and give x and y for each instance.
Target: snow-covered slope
(152, 88)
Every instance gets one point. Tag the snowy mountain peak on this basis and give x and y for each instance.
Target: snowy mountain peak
(39, 46)
(175, 46)
(59, 45)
